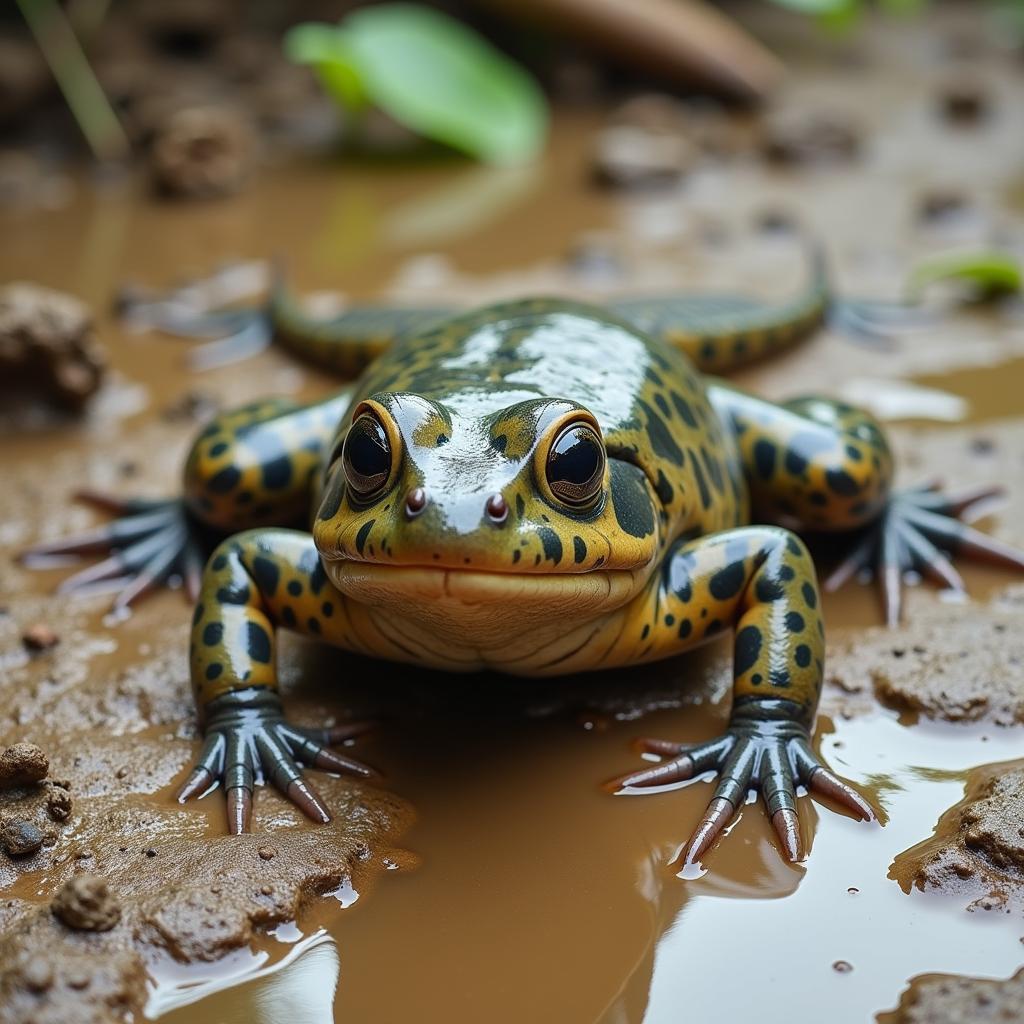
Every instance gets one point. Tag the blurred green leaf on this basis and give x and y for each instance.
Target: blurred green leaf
(429, 73)
(988, 274)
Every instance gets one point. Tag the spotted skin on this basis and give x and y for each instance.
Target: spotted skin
(441, 535)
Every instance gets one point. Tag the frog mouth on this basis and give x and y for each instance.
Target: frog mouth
(381, 583)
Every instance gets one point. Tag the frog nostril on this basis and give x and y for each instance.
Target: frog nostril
(415, 502)
(496, 508)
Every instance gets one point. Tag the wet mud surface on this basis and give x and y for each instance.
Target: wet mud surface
(489, 876)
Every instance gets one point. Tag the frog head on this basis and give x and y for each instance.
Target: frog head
(517, 507)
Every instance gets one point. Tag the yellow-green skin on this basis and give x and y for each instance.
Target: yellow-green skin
(666, 559)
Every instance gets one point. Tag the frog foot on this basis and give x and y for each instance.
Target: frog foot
(247, 736)
(917, 530)
(148, 542)
(772, 755)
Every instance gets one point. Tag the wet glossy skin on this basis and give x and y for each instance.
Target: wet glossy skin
(539, 488)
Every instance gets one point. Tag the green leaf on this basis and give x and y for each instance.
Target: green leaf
(431, 74)
(987, 273)
(323, 48)
(437, 77)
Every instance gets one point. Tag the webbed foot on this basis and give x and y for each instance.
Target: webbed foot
(762, 749)
(918, 529)
(247, 736)
(148, 542)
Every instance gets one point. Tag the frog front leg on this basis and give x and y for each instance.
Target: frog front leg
(759, 581)
(817, 464)
(254, 583)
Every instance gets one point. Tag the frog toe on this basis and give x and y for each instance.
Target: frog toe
(683, 761)
(147, 544)
(311, 747)
(918, 530)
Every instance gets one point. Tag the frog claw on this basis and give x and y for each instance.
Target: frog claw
(918, 530)
(149, 542)
(719, 813)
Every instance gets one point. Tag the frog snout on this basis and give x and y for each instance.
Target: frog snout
(495, 507)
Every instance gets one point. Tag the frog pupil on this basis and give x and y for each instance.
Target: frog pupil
(576, 464)
(367, 455)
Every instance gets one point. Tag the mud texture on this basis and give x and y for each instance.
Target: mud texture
(977, 851)
(947, 999)
(47, 344)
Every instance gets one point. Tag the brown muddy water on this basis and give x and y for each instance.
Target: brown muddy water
(535, 895)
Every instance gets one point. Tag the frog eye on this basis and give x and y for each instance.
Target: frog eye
(575, 467)
(366, 456)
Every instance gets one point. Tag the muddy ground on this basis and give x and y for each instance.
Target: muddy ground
(492, 878)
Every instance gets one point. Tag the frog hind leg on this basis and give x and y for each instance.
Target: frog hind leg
(761, 581)
(255, 582)
(816, 464)
(250, 466)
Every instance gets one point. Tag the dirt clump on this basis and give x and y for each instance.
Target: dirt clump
(977, 849)
(85, 902)
(953, 999)
(47, 343)
(20, 837)
(21, 764)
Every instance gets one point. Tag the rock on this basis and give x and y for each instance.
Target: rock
(951, 999)
(40, 637)
(86, 903)
(47, 342)
(977, 850)
(964, 101)
(20, 837)
(21, 764)
(202, 152)
(58, 804)
(795, 137)
(960, 663)
(628, 157)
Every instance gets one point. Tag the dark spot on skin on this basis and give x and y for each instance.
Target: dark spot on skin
(277, 473)
(748, 649)
(818, 498)
(670, 620)
(757, 679)
(662, 441)
(809, 595)
(516, 555)
(685, 628)
(364, 532)
(841, 482)
(682, 407)
(332, 498)
(257, 643)
(764, 459)
(327, 609)
(795, 547)
(652, 375)
(646, 631)
(779, 677)
(219, 562)
(313, 624)
(714, 468)
(768, 589)
(663, 489)
(225, 480)
(659, 401)
(854, 453)
(213, 671)
(441, 439)
(713, 627)
(702, 484)
(294, 588)
(288, 617)
(726, 583)
(266, 574)
(234, 593)
(795, 463)
(551, 543)
(213, 634)
(197, 614)
(802, 655)
(579, 549)
(633, 510)
(520, 506)
(498, 443)
(795, 622)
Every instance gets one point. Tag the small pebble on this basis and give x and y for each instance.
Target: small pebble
(20, 838)
(267, 890)
(39, 637)
(22, 764)
(266, 852)
(964, 102)
(58, 804)
(84, 902)
(77, 978)
(38, 974)
(842, 966)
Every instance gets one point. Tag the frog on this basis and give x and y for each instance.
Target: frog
(538, 487)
